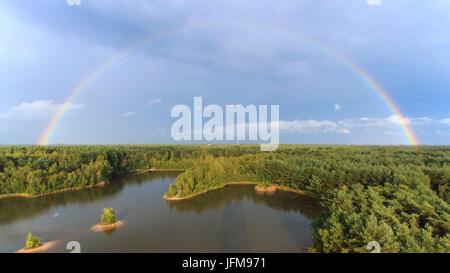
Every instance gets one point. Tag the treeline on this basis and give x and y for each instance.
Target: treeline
(398, 196)
(36, 170)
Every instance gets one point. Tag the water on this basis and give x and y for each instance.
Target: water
(232, 219)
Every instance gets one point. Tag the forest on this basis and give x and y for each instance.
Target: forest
(396, 195)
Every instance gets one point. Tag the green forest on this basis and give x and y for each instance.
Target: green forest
(396, 195)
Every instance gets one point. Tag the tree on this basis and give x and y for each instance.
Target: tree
(33, 241)
(109, 216)
(172, 190)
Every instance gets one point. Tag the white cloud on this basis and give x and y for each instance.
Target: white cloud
(378, 122)
(445, 121)
(312, 126)
(421, 121)
(373, 2)
(347, 125)
(129, 114)
(337, 107)
(343, 131)
(154, 101)
(36, 110)
(396, 120)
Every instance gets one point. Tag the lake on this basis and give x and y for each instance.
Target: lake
(232, 219)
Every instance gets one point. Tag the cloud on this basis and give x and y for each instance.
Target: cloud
(396, 120)
(388, 125)
(445, 121)
(154, 101)
(346, 126)
(337, 107)
(373, 2)
(36, 110)
(343, 131)
(129, 114)
(312, 126)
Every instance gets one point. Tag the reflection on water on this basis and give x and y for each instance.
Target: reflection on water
(231, 219)
(285, 201)
(232, 234)
(12, 209)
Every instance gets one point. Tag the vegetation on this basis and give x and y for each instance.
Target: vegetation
(33, 241)
(109, 216)
(38, 170)
(398, 196)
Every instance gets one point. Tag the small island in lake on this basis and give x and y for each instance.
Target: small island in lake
(109, 221)
(34, 245)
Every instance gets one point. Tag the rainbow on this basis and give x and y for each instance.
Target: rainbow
(372, 84)
(51, 126)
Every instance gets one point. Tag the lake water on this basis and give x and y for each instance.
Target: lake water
(232, 219)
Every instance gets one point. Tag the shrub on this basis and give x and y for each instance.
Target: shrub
(109, 216)
(33, 241)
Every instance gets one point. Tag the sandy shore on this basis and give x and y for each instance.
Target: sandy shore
(27, 195)
(103, 183)
(103, 227)
(269, 190)
(43, 247)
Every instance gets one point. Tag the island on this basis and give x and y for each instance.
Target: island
(108, 221)
(34, 244)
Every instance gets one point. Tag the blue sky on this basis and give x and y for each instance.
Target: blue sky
(228, 52)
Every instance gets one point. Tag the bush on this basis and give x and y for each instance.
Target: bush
(109, 216)
(32, 241)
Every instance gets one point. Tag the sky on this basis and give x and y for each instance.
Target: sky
(228, 52)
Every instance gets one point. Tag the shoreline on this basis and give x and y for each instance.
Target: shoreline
(101, 184)
(157, 170)
(269, 190)
(258, 189)
(43, 247)
(102, 227)
(27, 195)
(208, 190)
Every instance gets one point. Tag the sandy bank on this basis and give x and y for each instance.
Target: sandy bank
(43, 247)
(269, 190)
(272, 189)
(103, 227)
(27, 195)
(306, 193)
